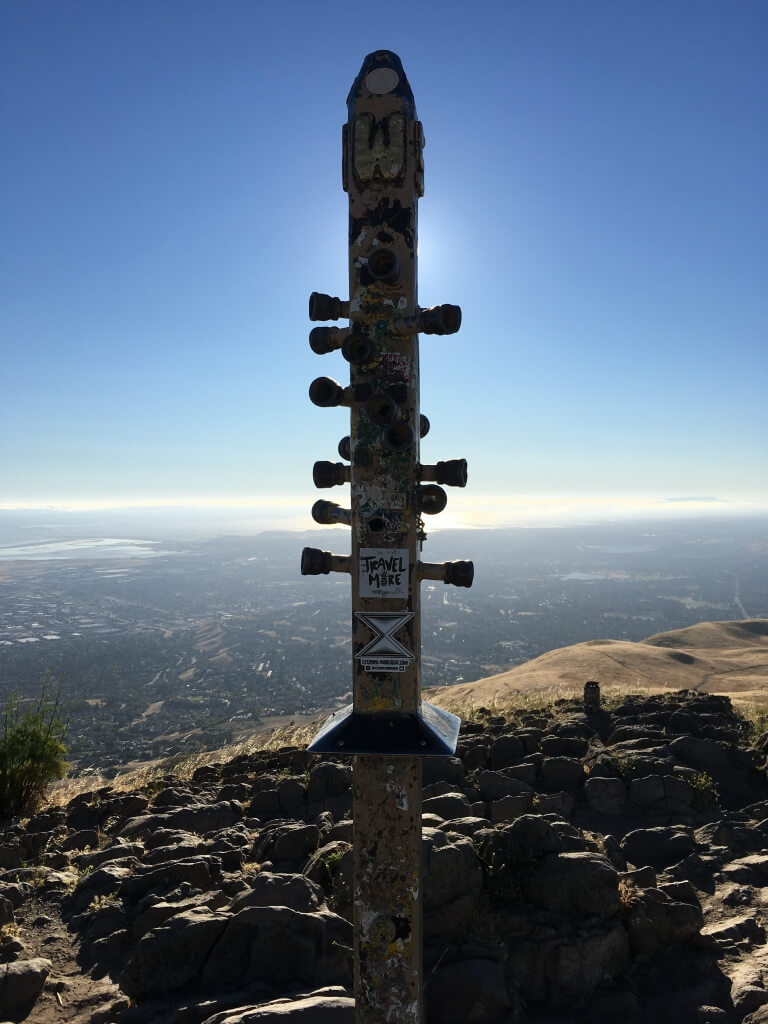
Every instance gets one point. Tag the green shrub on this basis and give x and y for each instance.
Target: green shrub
(31, 752)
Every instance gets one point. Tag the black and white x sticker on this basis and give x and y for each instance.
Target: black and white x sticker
(384, 653)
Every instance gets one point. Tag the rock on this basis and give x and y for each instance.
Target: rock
(574, 883)
(451, 871)
(15, 892)
(295, 844)
(160, 911)
(123, 805)
(265, 805)
(464, 826)
(291, 793)
(6, 911)
(704, 755)
(471, 991)
(495, 785)
(563, 967)
(655, 920)
(11, 855)
(748, 998)
(328, 779)
(104, 881)
(532, 834)
(442, 769)
(562, 773)
(22, 982)
(564, 746)
(118, 851)
(170, 956)
(281, 947)
(509, 807)
(298, 892)
(605, 795)
(647, 790)
(448, 806)
(744, 930)
(473, 754)
(107, 919)
(504, 751)
(200, 818)
(311, 1009)
(555, 803)
(85, 839)
(172, 796)
(195, 871)
(659, 847)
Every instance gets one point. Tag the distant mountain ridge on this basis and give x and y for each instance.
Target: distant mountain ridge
(711, 657)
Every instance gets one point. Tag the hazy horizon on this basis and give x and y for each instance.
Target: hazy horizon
(28, 528)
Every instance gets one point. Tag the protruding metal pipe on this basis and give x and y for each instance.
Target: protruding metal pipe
(315, 562)
(382, 409)
(431, 499)
(328, 512)
(327, 307)
(326, 339)
(397, 437)
(453, 473)
(460, 574)
(345, 448)
(384, 266)
(358, 349)
(330, 474)
(445, 319)
(328, 393)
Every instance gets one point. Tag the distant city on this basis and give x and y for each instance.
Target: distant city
(164, 646)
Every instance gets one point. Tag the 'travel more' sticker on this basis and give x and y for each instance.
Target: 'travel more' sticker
(384, 653)
(384, 572)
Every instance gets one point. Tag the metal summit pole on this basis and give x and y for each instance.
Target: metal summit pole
(387, 728)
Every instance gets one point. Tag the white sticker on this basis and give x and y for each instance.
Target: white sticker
(384, 572)
(384, 653)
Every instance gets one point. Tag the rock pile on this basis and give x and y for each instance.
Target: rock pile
(578, 865)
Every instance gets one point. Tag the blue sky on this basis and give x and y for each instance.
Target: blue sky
(170, 194)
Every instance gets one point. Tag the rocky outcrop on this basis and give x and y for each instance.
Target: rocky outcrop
(569, 857)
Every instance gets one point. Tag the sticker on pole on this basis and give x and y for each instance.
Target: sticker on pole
(384, 653)
(384, 572)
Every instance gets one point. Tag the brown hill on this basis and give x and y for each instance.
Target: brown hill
(711, 657)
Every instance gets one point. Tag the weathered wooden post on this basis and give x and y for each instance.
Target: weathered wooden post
(387, 728)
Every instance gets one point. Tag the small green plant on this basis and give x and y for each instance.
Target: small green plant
(756, 717)
(705, 790)
(31, 752)
(99, 903)
(622, 763)
(330, 864)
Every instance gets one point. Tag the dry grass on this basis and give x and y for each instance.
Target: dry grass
(508, 703)
(182, 767)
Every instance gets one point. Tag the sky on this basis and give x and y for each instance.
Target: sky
(170, 194)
